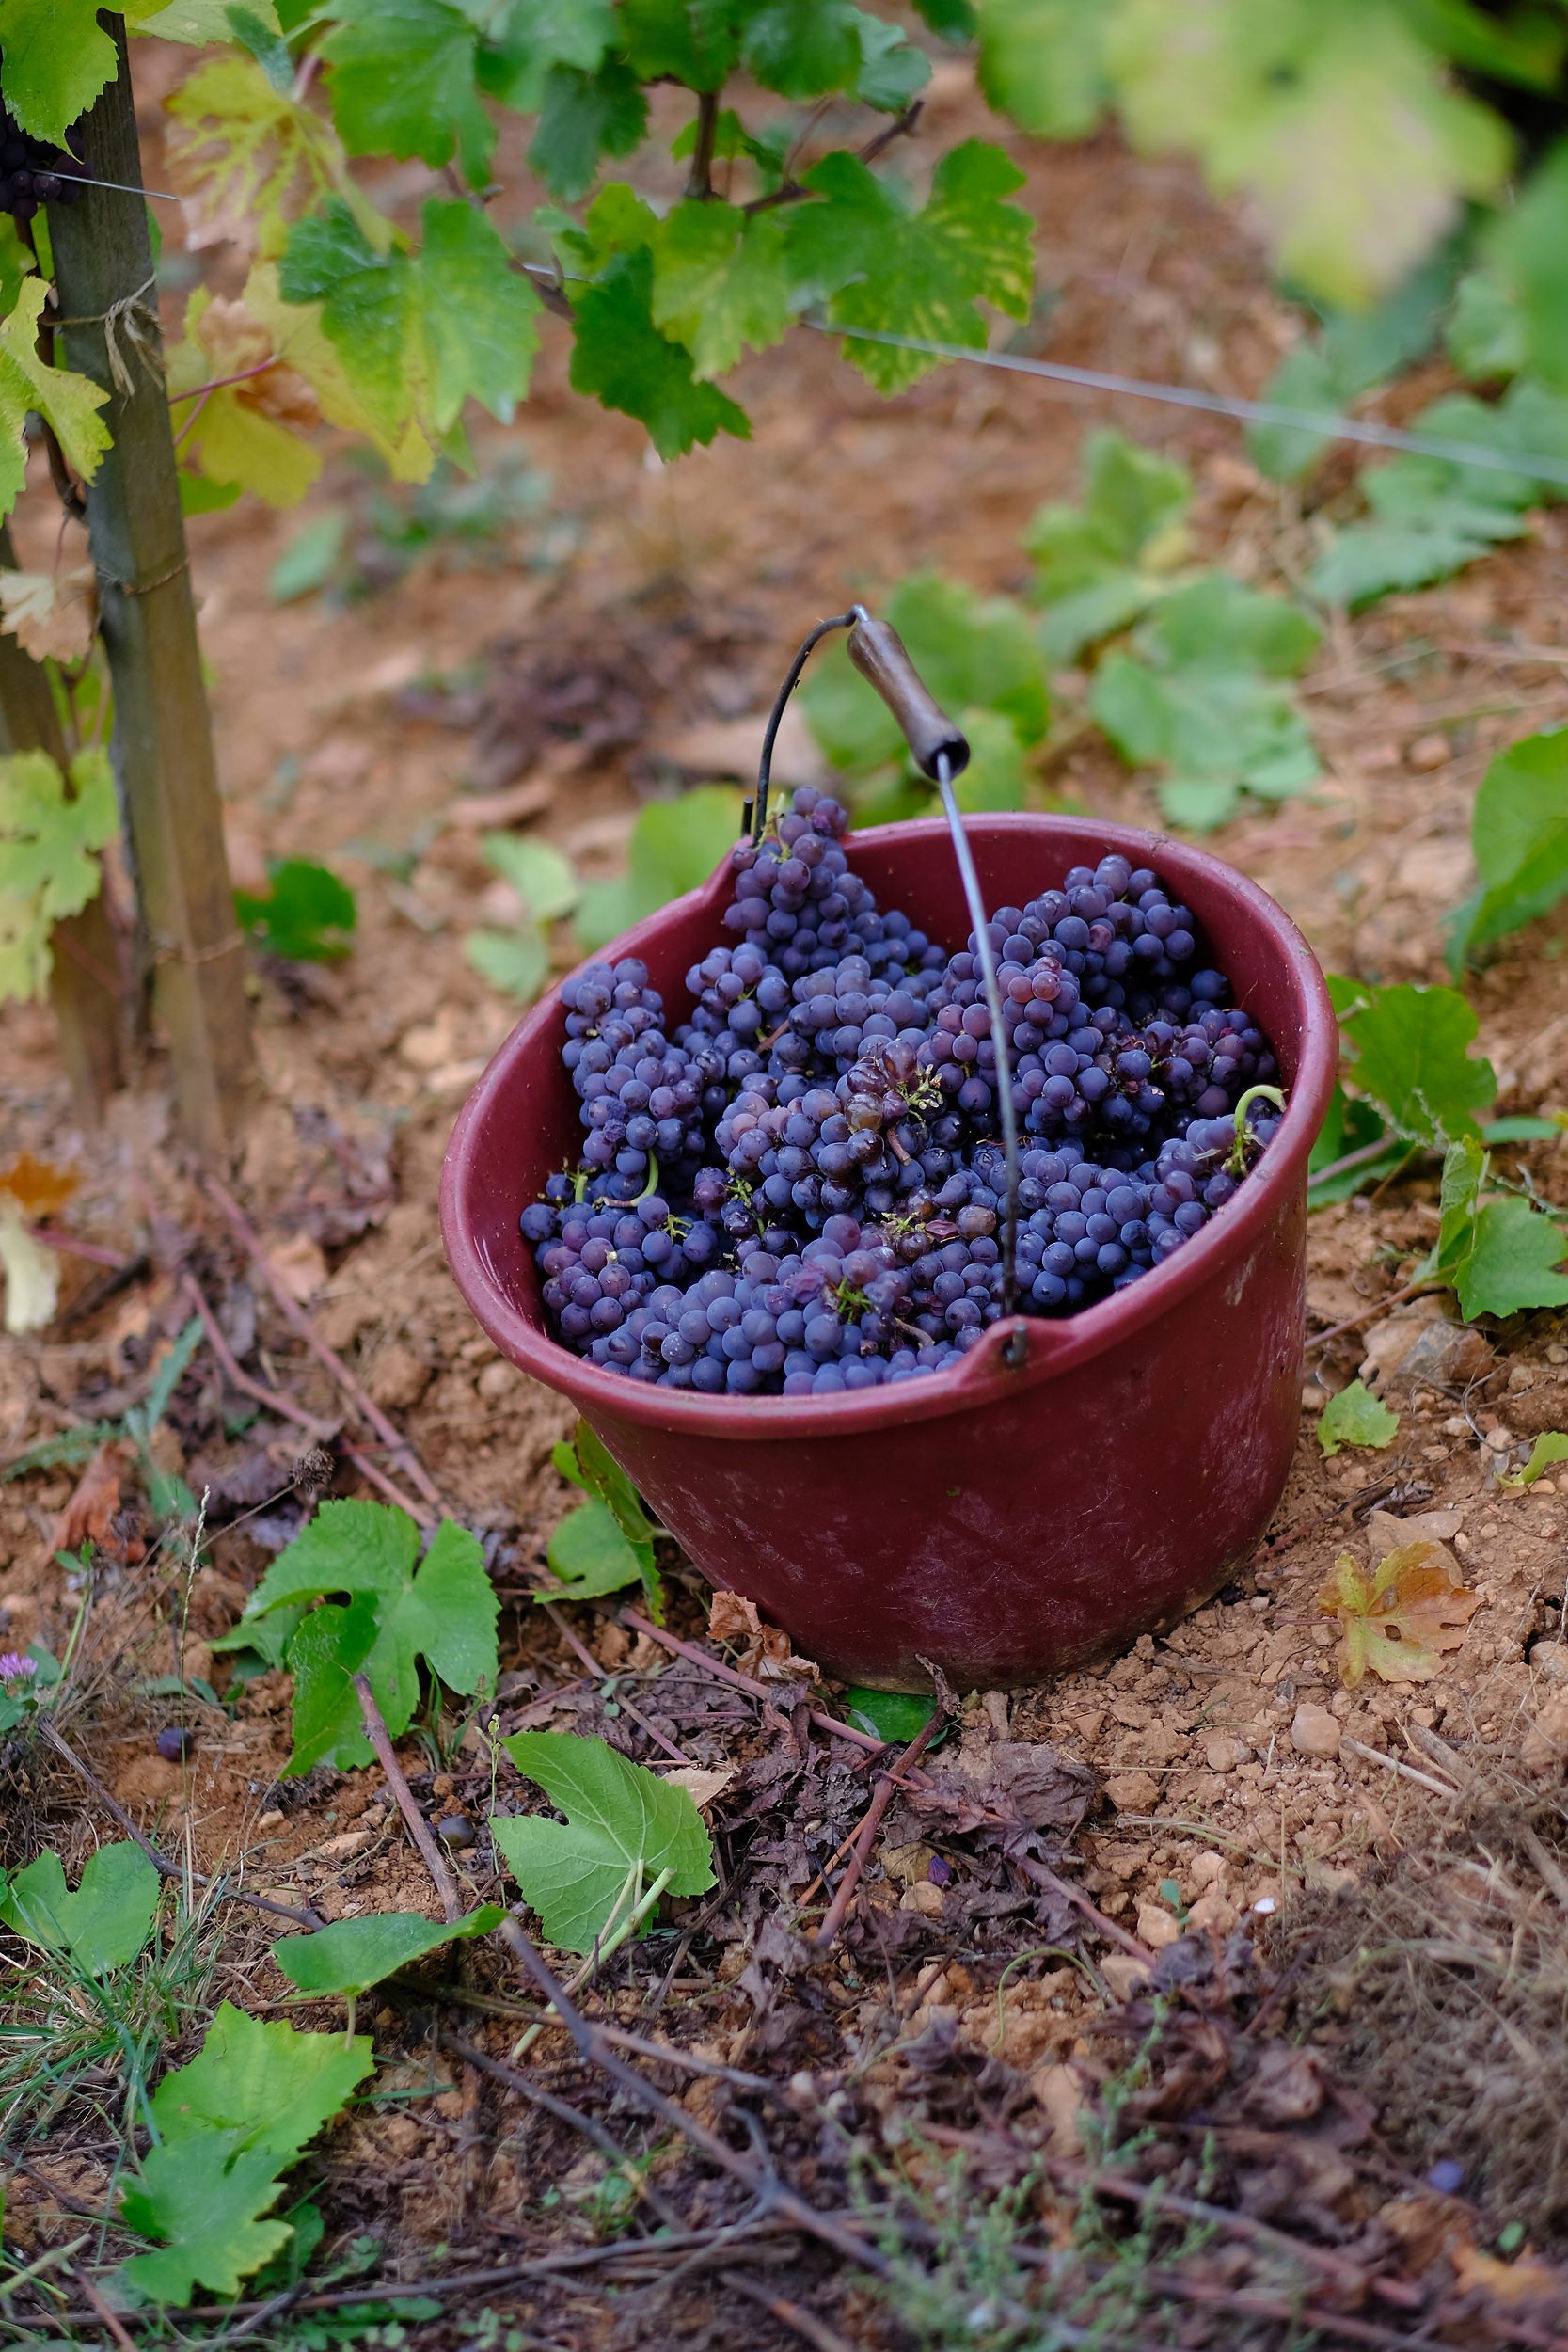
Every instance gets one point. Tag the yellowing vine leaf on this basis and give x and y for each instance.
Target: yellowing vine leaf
(53, 615)
(248, 431)
(1400, 1619)
(247, 157)
(70, 403)
(47, 863)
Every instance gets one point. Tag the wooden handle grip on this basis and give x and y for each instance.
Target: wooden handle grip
(878, 653)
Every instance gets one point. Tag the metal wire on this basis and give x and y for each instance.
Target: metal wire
(1329, 427)
(985, 954)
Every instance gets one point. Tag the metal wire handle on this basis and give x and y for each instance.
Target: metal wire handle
(941, 753)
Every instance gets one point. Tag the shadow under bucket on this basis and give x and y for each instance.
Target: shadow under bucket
(1006, 1521)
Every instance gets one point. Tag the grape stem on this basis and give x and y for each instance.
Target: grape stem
(1236, 1158)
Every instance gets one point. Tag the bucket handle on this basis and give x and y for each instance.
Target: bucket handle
(941, 750)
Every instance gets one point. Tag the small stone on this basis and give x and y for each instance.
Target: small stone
(1557, 1353)
(1124, 1974)
(1427, 752)
(271, 1818)
(1132, 1793)
(1420, 1343)
(1157, 1927)
(1207, 1869)
(495, 1382)
(343, 1848)
(1314, 1731)
(456, 1830)
(1500, 1438)
(397, 1379)
(1385, 1533)
(1545, 1485)
(1213, 1909)
(1519, 1378)
(922, 1897)
(1222, 1753)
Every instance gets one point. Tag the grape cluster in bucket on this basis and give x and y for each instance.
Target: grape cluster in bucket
(800, 1190)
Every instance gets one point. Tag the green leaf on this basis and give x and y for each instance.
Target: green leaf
(353, 1954)
(70, 404)
(516, 962)
(531, 36)
(1354, 351)
(1486, 336)
(310, 558)
(306, 916)
(1356, 1417)
(444, 1611)
(891, 67)
(584, 117)
(1512, 1261)
(1043, 63)
(891, 1715)
(619, 1815)
(801, 48)
(669, 40)
(364, 305)
(1408, 1047)
(103, 1925)
(973, 650)
(268, 2085)
(607, 1542)
(1519, 838)
(1336, 123)
(879, 264)
(402, 76)
(48, 856)
(591, 1554)
(675, 847)
(57, 59)
(1527, 251)
(1218, 729)
(198, 22)
(720, 282)
(1551, 1446)
(620, 357)
(1216, 619)
(475, 316)
(543, 876)
(1101, 562)
(207, 2204)
(1350, 1125)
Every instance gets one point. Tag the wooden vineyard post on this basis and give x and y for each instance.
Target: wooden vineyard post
(84, 983)
(165, 767)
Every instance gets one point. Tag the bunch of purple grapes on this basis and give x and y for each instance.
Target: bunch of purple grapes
(798, 1190)
(33, 173)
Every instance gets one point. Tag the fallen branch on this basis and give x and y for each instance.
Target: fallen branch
(161, 1862)
(418, 1828)
(1393, 1764)
(865, 1837)
(738, 1681)
(1044, 1876)
(770, 2192)
(299, 1322)
(588, 2126)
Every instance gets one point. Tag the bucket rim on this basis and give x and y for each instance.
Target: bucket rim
(1053, 1345)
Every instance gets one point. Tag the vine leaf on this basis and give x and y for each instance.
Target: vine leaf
(353, 1954)
(473, 316)
(268, 2084)
(404, 83)
(620, 356)
(48, 844)
(246, 158)
(69, 402)
(1353, 149)
(247, 433)
(620, 1816)
(103, 1925)
(674, 845)
(300, 337)
(207, 2204)
(1519, 837)
(308, 916)
(1551, 1446)
(53, 615)
(445, 1611)
(57, 59)
(1101, 562)
(720, 282)
(877, 262)
(1401, 1620)
(605, 1542)
(535, 36)
(584, 116)
(1356, 1417)
(1043, 63)
(1408, 1047)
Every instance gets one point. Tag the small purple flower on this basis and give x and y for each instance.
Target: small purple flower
(14, 1667)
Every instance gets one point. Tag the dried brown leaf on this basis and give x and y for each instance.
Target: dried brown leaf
(1400, 1619)
(92, 1503)
(53, 615)
(765, 1654)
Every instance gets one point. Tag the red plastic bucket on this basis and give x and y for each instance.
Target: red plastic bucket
(1005, 1522)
